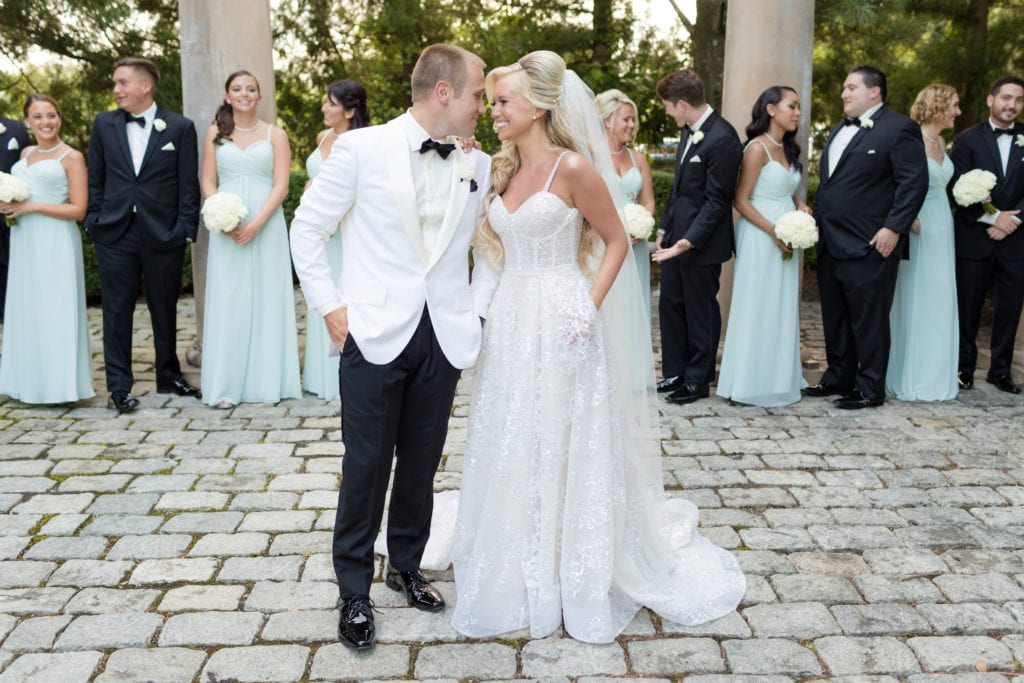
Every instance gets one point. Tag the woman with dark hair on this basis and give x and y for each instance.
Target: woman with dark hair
(761, 359)
(344, 109)
(46, 342)
(250, 344)
(924, 322)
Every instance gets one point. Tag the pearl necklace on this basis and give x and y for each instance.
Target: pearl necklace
(621, 150)
(47, 150)
(249, 129)
(777, 144)
(929, 138)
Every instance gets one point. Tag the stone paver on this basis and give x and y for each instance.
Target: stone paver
(184, 543)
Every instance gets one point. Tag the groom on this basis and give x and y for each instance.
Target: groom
(402, 314)
(143, 209)
(874, 178)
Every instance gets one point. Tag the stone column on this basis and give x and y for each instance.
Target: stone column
(767, 42)
(218, 38)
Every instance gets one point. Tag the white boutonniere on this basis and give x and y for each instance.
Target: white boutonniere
(3, 129)
(1019, 140)
(697, 136)
(465, 172)
(160, 125)
(867, 124)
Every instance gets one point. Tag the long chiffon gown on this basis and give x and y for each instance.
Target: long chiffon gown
(556, 521)
(761, 358)
(923, 317)
(250, 345)
(45, 356)
(319, 368)
(631, 183)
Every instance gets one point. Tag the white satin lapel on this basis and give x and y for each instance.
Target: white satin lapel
(404, 188)
(457, 196)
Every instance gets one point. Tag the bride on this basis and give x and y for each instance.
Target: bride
(562, 516)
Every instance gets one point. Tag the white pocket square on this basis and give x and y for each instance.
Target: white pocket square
(13, 144)
(169, 147)
(871, 151)
(695, 160)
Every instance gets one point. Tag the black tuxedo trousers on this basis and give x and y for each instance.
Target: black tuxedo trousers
(397, 412)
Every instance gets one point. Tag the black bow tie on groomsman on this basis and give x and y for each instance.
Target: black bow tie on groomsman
(443, 149)
(141, 120)
(855, 121)
(1002, 131)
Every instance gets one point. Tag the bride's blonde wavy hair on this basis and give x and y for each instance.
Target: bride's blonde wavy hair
(538, 79)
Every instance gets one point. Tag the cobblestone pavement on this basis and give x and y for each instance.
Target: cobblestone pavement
(181, 543)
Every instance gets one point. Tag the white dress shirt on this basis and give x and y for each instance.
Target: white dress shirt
(1003, 142)
(433, 178)
(694, 128)
(138, 136)
(843, 137)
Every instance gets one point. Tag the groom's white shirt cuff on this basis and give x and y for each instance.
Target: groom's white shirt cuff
(324, 309)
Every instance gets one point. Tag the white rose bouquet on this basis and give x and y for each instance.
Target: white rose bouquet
(223, 212)
(797, 229)
(12, 189)
(639, 221)
(975, 187)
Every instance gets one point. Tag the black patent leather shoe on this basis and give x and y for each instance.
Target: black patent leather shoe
(825, 390)
(855, 401)
(688, 393)
(122, 402)
(180, 387)
(1003, 383)
(418, 591)
(355, 623)
(965, 379)
(669, 384)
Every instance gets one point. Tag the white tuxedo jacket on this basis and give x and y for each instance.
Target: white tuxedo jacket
(386, 277)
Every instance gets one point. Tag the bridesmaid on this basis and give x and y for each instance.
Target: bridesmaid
(620, 124)
(344, 109)
(761, 359)
(925, 341)
(45, 356)
(250, 345)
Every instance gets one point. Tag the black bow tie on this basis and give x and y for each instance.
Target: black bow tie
(1002, 131)
(443, 149)
(141, 120)
(687, 129)
(851, 122)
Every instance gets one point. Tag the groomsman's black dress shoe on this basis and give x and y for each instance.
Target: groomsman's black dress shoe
(355, 625)
(965, 379)
(824, 390)
(669, 384)
(418, 591)
(1003, 383)
(180, 387)
(855, 401)
(688, 393)
(122, 402)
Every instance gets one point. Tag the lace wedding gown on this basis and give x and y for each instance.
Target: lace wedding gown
(559, 520)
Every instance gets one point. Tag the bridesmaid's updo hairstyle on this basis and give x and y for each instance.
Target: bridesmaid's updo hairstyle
(760, 121)
(932, 103)
(40, 97)
(351, 96)
(610, 102)
(225, 117)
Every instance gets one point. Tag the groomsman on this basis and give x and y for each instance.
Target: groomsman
(143, 209)
(989, 247)
(873, 181)
(698, 237)
(13, 139)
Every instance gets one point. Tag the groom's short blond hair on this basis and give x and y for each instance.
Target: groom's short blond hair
(442, 62)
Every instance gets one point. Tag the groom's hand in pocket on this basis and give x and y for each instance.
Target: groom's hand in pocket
(337, 326)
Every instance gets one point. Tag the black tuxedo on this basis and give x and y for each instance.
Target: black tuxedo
(984, 264)
(141, 224)
(699, 210)
(880, 181)
(12, 141)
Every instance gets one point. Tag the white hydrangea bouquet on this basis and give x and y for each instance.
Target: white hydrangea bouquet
(797, 229)
(12, 189)
(223, 212)
(975, 187)
(639, 221)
